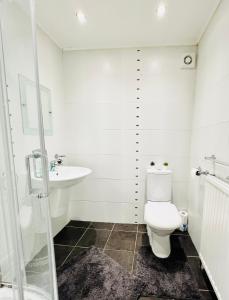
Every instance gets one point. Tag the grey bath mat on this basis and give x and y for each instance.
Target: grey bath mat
(166, 278)
(95, 276)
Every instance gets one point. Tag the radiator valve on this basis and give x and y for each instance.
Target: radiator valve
(200, 172)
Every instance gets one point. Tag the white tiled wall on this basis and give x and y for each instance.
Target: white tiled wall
(210, 134)
(117, 124)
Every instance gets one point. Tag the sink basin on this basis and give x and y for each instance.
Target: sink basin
(66, 176)
(59, 180)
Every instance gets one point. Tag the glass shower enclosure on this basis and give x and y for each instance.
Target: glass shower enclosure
(27, 265)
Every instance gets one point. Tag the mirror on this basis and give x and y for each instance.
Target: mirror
(29, 107)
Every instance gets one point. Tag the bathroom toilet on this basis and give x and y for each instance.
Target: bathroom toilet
(161, 216)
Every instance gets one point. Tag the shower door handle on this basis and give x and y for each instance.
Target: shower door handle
(28, 174)
(28, 171)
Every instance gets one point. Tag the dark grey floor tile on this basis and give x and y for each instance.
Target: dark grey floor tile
(185, 242)
(123, 257)
(69, 236)
(75, 253)
(94, 237)
(61, 253)
(201, 276)
(83, 224)
(188, 245)
(208, 295)
(142, 240)
(179, 232)
(142, 228)
(101, 225)
(126, 227)
(121, 240)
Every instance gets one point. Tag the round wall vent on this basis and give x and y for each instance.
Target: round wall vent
(188, 60)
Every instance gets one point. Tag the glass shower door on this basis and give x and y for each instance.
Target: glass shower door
(27, 265)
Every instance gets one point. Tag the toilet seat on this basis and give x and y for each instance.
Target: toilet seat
(162, 215)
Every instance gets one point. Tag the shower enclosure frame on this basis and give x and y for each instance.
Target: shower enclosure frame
(10, 173)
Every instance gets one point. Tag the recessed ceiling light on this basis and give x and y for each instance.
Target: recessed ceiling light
(161, 10)
(81, 17)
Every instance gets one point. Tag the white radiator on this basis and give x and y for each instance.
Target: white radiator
(214, 249)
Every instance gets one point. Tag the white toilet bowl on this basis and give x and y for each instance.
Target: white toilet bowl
(162, 218)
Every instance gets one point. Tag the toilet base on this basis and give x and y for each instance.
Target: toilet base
(160, 244)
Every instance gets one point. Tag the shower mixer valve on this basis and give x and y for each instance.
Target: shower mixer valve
(200, 172)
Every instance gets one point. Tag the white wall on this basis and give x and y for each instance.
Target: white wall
(50, 58)
(210, 134)
(103, 131)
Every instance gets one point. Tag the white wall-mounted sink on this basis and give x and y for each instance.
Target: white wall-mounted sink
(66, 176)
(59, 180)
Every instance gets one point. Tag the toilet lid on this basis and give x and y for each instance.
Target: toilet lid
(162, 215)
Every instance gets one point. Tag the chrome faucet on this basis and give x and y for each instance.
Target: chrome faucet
(56, 162)
(53, 165)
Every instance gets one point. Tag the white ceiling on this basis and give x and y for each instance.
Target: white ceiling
(124, 23)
